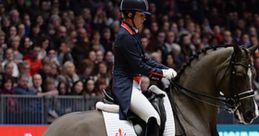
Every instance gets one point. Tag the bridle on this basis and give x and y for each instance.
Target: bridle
(232, 102)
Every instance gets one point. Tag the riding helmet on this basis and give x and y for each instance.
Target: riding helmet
(135, 5)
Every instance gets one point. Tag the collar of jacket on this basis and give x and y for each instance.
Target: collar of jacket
(128, 28)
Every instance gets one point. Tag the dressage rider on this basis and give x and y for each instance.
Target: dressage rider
(131, 63)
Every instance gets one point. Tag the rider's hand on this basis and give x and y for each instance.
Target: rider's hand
(165, 82)
(169, 73)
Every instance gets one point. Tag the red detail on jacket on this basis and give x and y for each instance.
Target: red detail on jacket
(137, 78)
(155, 74)
(127, 27)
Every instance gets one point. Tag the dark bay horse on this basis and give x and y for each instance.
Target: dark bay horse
(219, 75)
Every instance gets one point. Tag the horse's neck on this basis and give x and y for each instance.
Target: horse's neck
(200, 77)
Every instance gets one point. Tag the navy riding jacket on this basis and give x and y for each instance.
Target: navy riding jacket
(130, 61)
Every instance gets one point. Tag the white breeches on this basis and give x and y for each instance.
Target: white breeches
(141, 106)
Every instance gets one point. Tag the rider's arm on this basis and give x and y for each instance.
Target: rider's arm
(133, 56)
(153, 63)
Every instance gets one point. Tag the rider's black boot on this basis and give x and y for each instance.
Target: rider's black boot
(152, 128)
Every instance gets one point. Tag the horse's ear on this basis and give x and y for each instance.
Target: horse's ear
(253, 48)
(236, 48)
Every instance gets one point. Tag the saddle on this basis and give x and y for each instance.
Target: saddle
(154, 95)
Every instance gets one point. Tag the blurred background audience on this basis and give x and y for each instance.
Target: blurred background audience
(64, 47)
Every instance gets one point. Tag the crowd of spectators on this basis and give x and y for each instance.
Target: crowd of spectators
(64, 47)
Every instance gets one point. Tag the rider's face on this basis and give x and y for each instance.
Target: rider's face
(139, 19)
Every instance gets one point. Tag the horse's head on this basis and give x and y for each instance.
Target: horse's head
(240, 95)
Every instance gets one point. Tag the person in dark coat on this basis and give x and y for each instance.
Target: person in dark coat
(131, 63)
(23, 86)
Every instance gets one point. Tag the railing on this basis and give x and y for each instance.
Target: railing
(20, 109)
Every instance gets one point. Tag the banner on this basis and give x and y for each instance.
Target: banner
(22, 130)
(238, 130)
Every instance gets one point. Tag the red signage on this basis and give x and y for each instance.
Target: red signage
(22, 130)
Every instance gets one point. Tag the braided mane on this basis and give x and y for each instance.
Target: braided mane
(196, 57)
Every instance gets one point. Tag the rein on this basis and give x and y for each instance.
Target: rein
(228, 101)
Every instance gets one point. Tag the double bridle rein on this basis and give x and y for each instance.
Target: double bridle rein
(231, 103)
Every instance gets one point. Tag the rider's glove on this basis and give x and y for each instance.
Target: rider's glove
(169, 73)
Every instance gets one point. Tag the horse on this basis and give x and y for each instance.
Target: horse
(213, 77)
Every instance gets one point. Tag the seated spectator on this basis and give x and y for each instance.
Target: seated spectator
(46, 69)
(169, 62)
(2, 45)
(69, 73)
(9, 57)
(156, 56)
(170, 43)
(82, 46)
(61, 33)
(246, 40)
(147, 34)
(23, 86)
(109, 59)
(37, 83)
(54, 72)
(92, 56)
(35, 33)
(8, 70)
(89, 87)
(100, 86)
(228, 39)
(99, 56)
(21, 30)
(15, 44)
(44, 43)
(63, 88)
(77, 88)
(106, 39)
(50, 88)
(96, 45)
(25, 69)
(7, 86)
(64, 53)
(145, 43)
(254, 40)
(188, 49)
(33, 60)
(25, 46)
(12, 33)
(103, 73)
(86, 69)
(52, 56)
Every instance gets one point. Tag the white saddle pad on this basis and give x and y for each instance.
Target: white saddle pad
(116, 127)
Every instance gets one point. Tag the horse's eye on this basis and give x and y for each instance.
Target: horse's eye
(239, 74)
(240, 71)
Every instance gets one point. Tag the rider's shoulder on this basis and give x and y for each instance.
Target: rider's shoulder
(125, 38)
